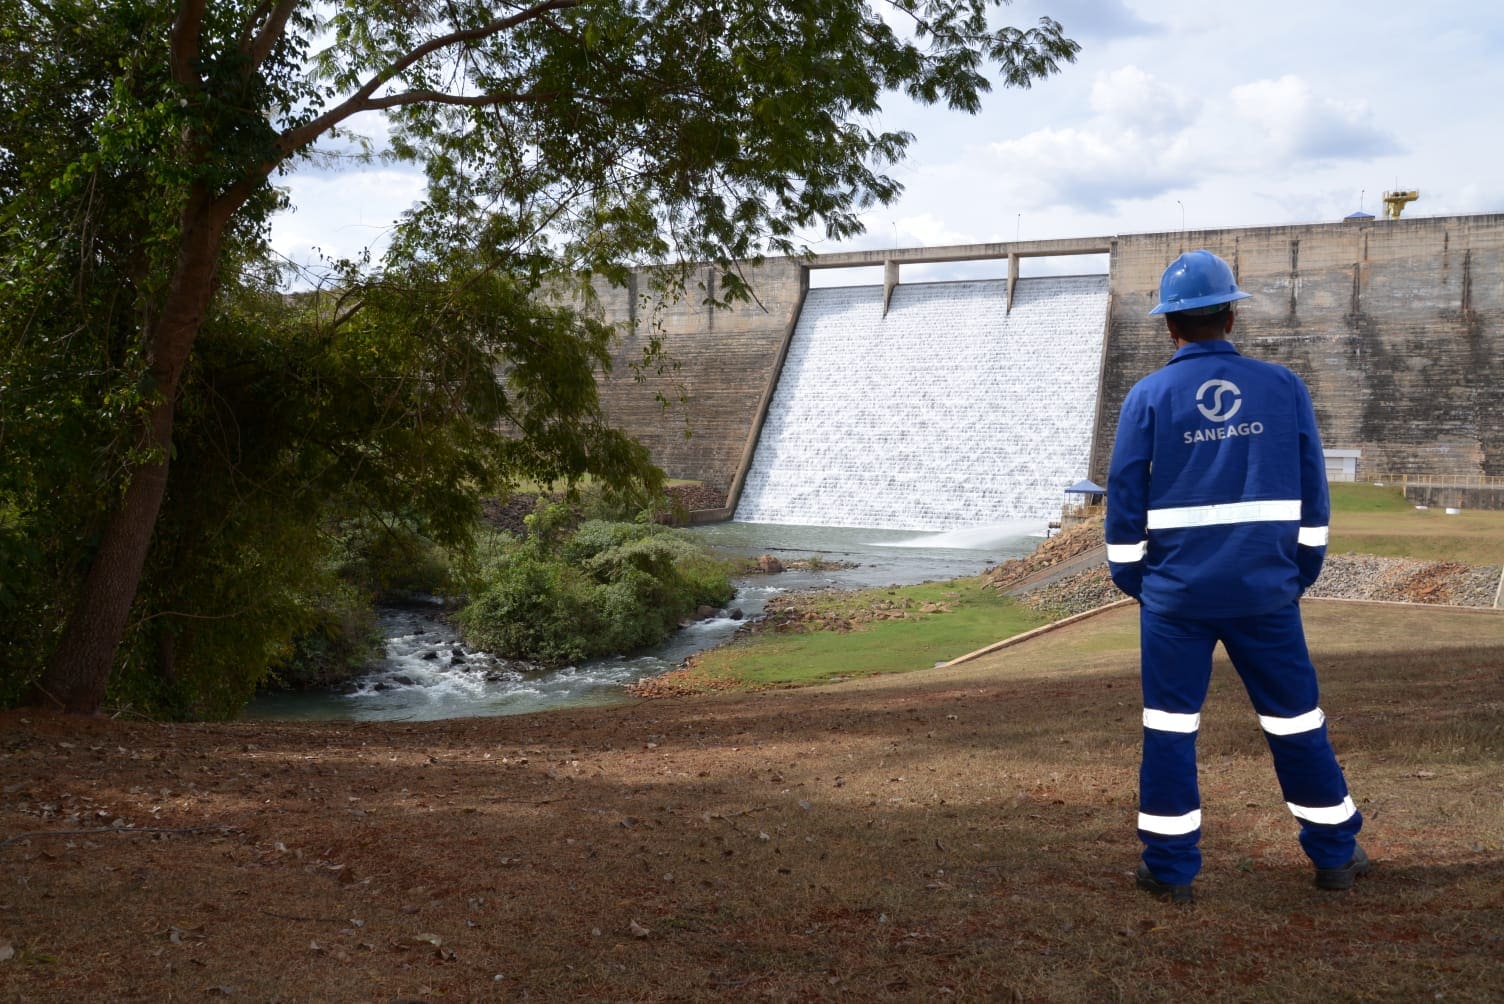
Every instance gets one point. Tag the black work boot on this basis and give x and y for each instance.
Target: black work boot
(1340, 879)
(1164, 890)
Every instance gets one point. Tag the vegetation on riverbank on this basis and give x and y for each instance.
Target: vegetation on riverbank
(566, 592)
(549, 579)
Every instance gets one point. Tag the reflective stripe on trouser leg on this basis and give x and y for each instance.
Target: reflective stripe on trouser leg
(1169, 815)
(1270, 655)
(1316, 794)
(1176, 669)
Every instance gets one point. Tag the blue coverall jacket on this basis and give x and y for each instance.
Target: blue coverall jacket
(1217, 501)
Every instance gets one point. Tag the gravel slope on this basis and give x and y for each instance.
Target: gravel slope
(1344, 576)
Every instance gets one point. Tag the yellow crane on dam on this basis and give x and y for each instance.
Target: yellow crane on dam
(1394, 202)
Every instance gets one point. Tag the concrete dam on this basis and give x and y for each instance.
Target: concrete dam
(939, 405)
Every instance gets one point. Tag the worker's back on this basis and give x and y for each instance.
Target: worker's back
(1234, 464)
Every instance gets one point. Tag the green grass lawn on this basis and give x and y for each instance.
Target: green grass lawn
(972, 618)
(1372, 519)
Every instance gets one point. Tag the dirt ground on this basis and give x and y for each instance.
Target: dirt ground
(957, 834)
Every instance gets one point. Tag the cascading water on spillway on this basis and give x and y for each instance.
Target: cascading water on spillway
(949, 412)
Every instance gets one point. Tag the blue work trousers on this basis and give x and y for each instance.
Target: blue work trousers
(1270, 655)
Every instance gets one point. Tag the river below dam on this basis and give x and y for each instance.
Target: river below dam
(427, 673)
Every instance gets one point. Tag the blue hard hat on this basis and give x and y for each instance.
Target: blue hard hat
(1197, 279)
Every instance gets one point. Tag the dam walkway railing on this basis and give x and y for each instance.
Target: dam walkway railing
(1463, 491)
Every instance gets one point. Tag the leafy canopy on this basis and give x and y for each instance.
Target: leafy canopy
(565, 142)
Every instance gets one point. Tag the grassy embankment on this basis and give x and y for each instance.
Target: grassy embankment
(1369, 519)
(904, 629)
(882, 631)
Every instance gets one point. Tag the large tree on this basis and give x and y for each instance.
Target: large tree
(562, 139)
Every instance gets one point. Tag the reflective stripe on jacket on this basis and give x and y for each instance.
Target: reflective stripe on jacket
(1216, 497)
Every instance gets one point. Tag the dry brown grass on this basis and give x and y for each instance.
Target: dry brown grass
(963, 834)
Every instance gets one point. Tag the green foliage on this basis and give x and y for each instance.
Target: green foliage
(390, 560)
(653, 582)
(564, 144)
(343, 641)
(535, 610)
(596, 536)
(598, 589)
(716, 133)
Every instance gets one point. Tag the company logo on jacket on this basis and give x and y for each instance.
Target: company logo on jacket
(1219, 401)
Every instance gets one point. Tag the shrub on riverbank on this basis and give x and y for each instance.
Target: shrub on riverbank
(567, 593)
(367, 562)
(343, 641)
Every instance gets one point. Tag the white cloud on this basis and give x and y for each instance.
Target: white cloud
(1086, 21)
(929, 230)
(341, 215)
(1088, 168)
(1297, 124)
(1147, 138)
(1473, 198)
(1126, 149)
(1133, 100)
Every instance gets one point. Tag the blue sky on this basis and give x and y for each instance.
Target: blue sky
(1175, 113)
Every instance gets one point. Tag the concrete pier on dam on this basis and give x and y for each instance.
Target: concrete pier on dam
(1396, 325)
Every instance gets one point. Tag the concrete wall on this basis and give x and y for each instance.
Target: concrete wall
(725, 366)
(1396, 325)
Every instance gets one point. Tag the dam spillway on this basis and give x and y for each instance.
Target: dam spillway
(1396, 326)
(948, 411)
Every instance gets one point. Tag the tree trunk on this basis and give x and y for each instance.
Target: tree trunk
(79, 670)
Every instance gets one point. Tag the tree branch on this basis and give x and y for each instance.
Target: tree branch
(247, 27)
(468, 35)
(470, 101)
(258, 48)
(186, 30)
(340, 319)
(187, 616)
(296, 139)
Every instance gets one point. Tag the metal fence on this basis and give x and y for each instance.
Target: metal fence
(1487, 481)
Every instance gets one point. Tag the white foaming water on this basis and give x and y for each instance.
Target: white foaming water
(971, 538)
(427, 673)
(949, 412)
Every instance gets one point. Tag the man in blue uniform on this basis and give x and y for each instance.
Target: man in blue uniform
(1217, 515)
